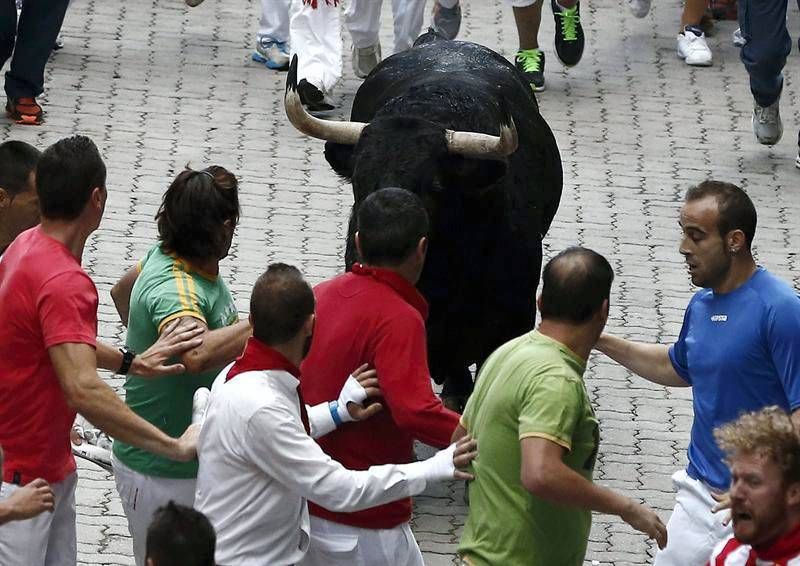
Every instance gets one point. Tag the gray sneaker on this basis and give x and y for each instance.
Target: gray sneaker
(767, 124)
(447, 21)
(365, 59)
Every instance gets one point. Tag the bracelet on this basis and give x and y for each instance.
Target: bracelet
(333, 407)
(127, 360)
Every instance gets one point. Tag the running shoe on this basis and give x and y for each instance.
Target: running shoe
(24, 110)
(692, 47)
(569, 33)
(365, 59)
(738, 38)
(313, 98)
(767, 125)
(447, 21)
(272, 54)
(531, 63)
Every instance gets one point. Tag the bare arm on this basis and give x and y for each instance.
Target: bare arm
(121, 293)
(650, 361)
(219, 347)
(178, 337)
(545, 475)
(76, 367)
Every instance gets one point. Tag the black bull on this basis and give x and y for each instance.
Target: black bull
(488, 215)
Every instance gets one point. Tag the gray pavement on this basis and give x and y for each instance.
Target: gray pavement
(158, 85)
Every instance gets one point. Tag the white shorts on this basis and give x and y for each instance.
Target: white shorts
(141, 495)
(693, 530)
(48, 539)
(334, 544)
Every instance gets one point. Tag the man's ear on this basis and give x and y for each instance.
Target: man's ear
(98, 197)
(150, 562)
(539, 303)
(736, 241)
(5, 199)
(308, 325)
(357, 239)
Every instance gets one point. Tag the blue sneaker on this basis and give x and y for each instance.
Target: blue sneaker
(272, 54)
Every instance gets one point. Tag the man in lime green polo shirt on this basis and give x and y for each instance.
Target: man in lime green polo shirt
(177, 280)
(532, 497)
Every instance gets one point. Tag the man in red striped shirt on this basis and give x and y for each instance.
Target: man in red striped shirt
(763, 450)
(375, 315)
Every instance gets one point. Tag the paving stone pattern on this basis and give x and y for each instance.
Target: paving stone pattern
(158, 86)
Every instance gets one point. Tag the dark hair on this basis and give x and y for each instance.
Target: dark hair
(390, 223)
(574, 285)
(67, 173)
(280, 304)
(180, 536)
(194, 210)
(17, 160)
(736, 210)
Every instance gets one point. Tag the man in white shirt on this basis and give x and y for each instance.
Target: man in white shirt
(258, 464)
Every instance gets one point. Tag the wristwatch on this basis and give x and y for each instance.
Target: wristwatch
(127, 360)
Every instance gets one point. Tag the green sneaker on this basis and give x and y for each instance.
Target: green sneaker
(569, 33)
(531, 63)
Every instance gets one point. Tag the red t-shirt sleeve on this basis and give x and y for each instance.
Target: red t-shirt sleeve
(67, 306)
(401, 360)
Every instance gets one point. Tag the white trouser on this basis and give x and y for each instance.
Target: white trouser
(274, 21)
(693, 530)
(333, 544)
(48, 539)
(363, 20)
(142, 495)
(316, 38)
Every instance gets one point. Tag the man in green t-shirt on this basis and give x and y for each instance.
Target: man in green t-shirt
(177, 280)
(532, 497)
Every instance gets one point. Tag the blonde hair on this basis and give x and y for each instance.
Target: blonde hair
(768, 432)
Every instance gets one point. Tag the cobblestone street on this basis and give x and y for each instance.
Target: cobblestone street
(158, 85)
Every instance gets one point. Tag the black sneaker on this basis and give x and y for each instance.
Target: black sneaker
(569, 33)
(531, 63)
(313, 98)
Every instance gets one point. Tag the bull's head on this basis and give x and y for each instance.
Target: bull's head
(432, 143)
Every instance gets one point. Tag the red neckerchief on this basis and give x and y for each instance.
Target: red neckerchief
(785, 547)
(400, 284)
(257, 356)
(313, 3)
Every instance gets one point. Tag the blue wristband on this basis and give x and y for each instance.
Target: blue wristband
(333, 407)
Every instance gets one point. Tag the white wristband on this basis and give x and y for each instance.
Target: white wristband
(439, 466)
(352, 392)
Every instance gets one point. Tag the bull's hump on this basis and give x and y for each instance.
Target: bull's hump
(450, 56)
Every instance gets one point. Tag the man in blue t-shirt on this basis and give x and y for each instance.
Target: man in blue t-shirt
(739, 349)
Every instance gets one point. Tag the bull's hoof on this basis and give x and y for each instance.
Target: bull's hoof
(455, 402)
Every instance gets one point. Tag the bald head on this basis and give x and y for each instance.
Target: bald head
(575, 284)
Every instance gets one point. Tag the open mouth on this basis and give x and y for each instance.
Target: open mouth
(742, 516)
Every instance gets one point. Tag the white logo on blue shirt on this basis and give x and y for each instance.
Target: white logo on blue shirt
(719, 318)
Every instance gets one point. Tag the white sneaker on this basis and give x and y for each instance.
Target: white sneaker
(767, 125)
(365, 59)
(639, 8)
(692, 47)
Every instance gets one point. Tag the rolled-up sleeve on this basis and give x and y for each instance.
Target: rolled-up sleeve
(279, 445)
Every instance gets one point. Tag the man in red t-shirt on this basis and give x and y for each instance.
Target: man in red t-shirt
(49, 356)
(374, 314)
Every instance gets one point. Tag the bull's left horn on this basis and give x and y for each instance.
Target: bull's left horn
(484, 146)
(345, 133)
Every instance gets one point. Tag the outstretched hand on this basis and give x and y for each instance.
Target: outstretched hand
(178, 337)
(357, 408)
(466, 451)
(644, 520)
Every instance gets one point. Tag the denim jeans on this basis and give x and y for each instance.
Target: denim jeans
(28, 44)
(763, 24)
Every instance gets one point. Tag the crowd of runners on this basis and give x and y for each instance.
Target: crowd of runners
(304, 455)
(288, 438)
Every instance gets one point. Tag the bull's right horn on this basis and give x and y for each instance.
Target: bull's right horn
(345, 133)
(484, 146)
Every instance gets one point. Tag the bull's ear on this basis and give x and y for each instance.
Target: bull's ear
(340, 158)
(471, 174)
